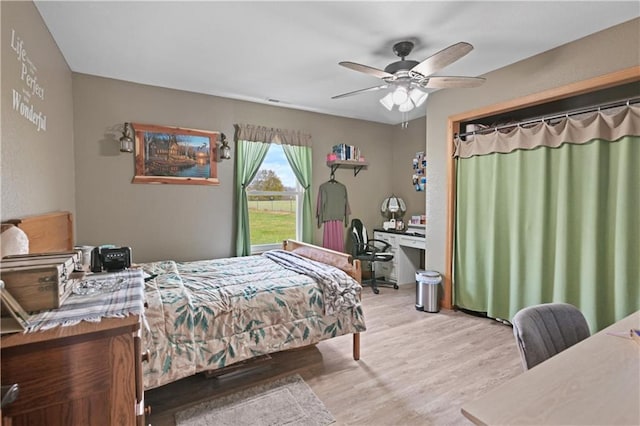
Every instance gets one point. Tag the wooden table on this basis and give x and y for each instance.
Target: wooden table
(596, 381)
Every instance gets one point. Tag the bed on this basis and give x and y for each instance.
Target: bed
(210, 314)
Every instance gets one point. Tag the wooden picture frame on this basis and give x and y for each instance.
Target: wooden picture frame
(173, 155)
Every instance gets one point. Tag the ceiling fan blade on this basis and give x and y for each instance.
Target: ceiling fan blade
(439, 82)
(357, 92)
(446, 56)
(366, 69)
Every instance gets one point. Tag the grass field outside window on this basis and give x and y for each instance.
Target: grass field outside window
(272, 221)
(274, 199)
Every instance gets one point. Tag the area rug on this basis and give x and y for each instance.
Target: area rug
(287, 401)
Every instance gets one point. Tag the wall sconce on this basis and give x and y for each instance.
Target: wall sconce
(225, 150)
(126, 142)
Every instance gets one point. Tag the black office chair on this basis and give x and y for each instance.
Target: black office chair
(371, 251)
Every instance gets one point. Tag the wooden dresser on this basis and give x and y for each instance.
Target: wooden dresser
(87, 374)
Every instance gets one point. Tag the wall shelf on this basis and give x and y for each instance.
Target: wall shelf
(347, 164)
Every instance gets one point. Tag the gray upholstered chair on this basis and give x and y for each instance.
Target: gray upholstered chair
(541, 331)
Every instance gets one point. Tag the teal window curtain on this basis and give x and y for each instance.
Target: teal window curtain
(552, 222)
(299, 158)
(249, 157)
(253, 145)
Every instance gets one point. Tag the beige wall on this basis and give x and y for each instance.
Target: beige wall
(37, 166)
(613, 49)
(406, 143)
(185, 222)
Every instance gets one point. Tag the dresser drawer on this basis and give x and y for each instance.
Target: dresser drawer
(77, 375)
(383, 236)
(411, 242)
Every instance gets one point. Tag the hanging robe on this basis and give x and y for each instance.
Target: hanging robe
(332, 210)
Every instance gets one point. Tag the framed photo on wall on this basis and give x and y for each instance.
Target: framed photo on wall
(173, 155)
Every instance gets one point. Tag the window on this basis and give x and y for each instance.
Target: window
(275, 203)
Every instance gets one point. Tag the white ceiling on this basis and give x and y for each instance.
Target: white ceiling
(289, 51)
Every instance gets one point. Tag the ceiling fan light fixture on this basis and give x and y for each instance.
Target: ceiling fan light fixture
(409, 81)
(400, 95)
(387, 101)
(406, 107)
(418, 96)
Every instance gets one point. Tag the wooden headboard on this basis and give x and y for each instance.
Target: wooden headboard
(338, 259)
(49, 232)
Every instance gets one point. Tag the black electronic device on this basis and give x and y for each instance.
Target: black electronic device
(110, 259)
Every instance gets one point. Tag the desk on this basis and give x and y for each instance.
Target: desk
(596, 381)
(407, 256)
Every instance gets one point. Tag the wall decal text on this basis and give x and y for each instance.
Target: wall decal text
(31, 90)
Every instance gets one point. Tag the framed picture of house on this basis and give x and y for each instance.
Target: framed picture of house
(173, 155)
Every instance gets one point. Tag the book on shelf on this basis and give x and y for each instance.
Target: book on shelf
(346, 152)
(18, 318)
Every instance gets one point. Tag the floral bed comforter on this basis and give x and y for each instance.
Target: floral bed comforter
(209, 314)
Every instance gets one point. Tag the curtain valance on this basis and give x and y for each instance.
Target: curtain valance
(254, 133)
(608, 125)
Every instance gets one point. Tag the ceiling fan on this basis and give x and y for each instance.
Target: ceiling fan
(409, 79)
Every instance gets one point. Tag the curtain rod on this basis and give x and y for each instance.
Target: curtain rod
(552, 117)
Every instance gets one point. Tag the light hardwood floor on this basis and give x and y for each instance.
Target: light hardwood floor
(415, 367)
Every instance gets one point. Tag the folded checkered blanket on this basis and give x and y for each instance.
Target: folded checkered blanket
(340, 291)
(126, 299)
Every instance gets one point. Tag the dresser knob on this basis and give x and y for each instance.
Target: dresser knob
(146, 355)
(147, 410)
(9, 394)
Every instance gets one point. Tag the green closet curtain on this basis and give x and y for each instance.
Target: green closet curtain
(550, 224)
(299, 158)
(249, 157)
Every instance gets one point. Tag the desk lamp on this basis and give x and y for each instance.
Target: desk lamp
(391, 207)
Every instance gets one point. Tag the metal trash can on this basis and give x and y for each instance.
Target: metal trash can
(428, 290)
